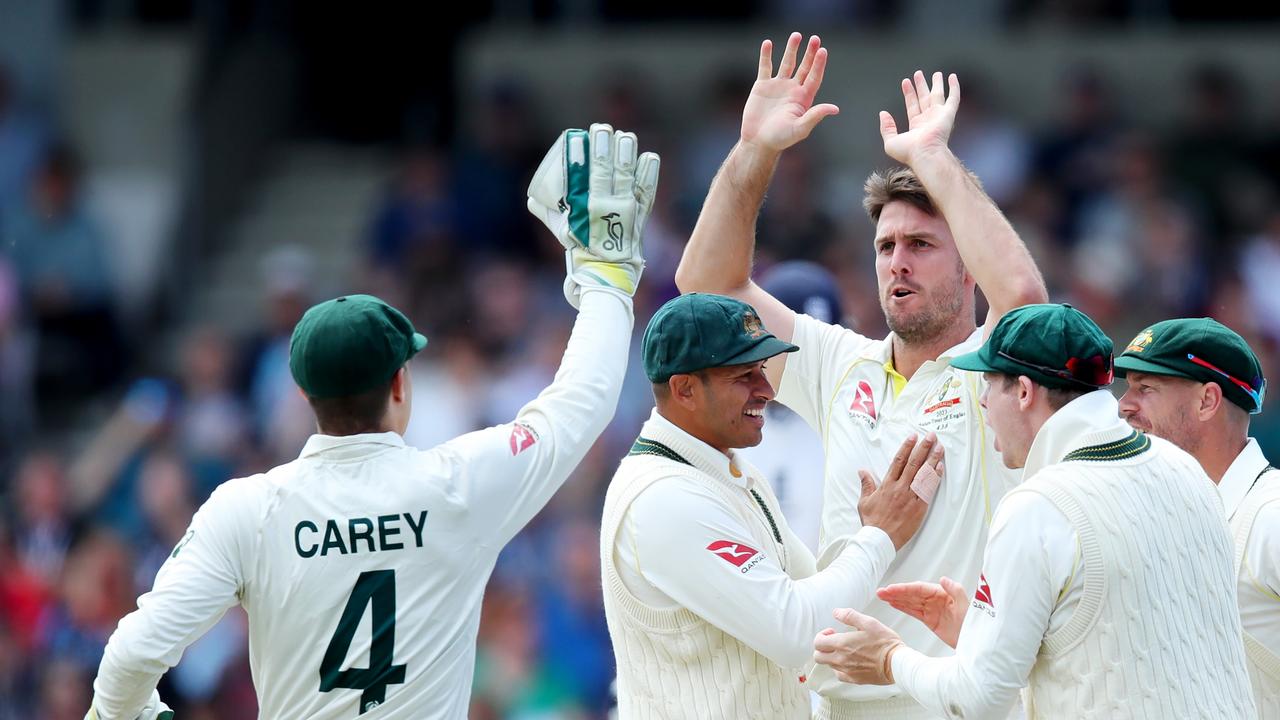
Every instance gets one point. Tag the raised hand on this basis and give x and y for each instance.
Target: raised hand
(780, 112)
(594, 193)
(899, 504)
(941, 607)
(930, 118)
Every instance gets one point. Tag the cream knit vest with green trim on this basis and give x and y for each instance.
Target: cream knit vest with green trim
(1264, 665)
(672, 664)
(1157, 632)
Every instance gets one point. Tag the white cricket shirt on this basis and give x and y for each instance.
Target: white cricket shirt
(1259, 588)
(680, 545)
(361, 564)
(844, 385)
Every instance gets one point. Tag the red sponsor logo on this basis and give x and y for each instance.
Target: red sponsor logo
(863, 401)
(522, 438)
(944, 403)
(734, 553)
(984, 592)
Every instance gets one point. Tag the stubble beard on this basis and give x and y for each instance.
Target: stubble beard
(929, 324)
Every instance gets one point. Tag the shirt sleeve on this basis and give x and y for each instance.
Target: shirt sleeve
(698, 552)
(510, 471)
(202, 577)
(811, 374)
(1030, 560)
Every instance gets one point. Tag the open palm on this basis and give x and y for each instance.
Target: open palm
(941, 607)
(930, 117)
(780, 112)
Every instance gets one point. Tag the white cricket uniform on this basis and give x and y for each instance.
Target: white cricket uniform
(1251, 497)
(844, 385)
(712, 601)
(361, 564)
(1043, 598)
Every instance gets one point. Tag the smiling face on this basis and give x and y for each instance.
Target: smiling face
(729, 405)
(922, 280)
(1163, 406)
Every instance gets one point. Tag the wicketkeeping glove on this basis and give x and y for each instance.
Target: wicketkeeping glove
(155, 709)
(595, 194)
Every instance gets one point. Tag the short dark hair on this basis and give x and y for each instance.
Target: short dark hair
(352, 414)
(1058, 397)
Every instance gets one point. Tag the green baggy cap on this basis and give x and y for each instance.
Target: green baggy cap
(1200, 349)
(699, 331)
(350, 344)
(1055, 345)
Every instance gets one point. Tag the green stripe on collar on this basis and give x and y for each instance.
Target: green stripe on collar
(1135, 444)
(645, 446)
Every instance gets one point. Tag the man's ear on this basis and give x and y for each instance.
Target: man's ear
(1211, 400)
(399, 386)
(1026, 392)
(682, 389)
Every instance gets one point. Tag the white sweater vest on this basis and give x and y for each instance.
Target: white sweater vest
(1156, 633)
(1264, 665)
(672, 664)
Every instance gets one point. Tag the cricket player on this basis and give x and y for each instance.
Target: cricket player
(1195, 382)
(1107, 588)
(711, 600)
(361, 564)
(937, 236)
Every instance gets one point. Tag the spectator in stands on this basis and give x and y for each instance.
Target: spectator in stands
(212, 424)
(59, 254)
(43, 528)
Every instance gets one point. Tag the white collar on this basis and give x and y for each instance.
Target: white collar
(1239, 478)
(697, 453)
(1091, 419)
(318, 443)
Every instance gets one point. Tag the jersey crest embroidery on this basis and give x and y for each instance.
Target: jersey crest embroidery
(522, 438)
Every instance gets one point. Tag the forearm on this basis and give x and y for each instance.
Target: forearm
(125, 678)
(718, 256)
(802, 608)
(948, 687)
(581, 400)
(991, 249)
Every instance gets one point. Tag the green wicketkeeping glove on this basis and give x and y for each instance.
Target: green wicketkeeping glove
(155, 709)
(594, 194)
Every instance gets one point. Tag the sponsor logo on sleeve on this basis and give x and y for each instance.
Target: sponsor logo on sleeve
(982, 598)
(522, 438)
(739, 555)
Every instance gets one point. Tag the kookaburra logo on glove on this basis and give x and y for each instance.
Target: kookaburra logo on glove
(615, 231)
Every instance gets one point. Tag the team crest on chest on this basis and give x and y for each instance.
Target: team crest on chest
(863, 407)
(943, 405)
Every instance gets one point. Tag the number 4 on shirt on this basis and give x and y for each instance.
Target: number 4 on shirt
(378, 587)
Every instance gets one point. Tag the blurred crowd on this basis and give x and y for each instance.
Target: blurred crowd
(1128, 224)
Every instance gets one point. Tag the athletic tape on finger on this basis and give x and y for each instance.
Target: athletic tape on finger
(925, 483)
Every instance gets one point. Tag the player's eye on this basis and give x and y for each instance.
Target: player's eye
(886, 248)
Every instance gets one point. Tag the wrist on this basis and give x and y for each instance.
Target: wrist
(926, 159)
(888, 661)
(755, 154)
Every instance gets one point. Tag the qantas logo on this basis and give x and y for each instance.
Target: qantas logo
(863, 401)
(732, 552)
(984, 592)
(522, 438)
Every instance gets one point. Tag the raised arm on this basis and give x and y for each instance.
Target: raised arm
(778, 114)
(991, 250)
